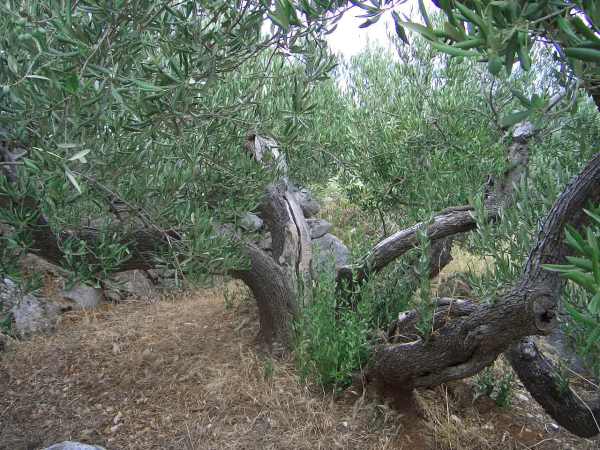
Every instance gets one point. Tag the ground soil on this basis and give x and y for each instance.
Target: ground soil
(182, 373)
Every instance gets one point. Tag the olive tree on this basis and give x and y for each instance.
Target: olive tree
(145, 105)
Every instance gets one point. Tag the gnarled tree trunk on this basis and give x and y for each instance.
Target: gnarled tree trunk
(466, 337)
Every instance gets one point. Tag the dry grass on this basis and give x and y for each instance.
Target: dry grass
(170, 375)
(463, 261)
(182, 374)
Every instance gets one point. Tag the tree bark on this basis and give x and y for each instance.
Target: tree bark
(279, 282)
(451, 221)
(464, 340)
(290, 235)
(544, 382)
(537, 373)
(463, 347)
(275, 297)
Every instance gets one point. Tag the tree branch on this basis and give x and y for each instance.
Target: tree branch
(547, 386)
(451, 221)
(464, 346)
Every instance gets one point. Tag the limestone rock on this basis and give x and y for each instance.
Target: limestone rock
(34, 263)
(34, 315)
(71, 445)
(133, 283)
(84, 297)
(329, 251)
(30, 314)
(251, 222)
(310, 207)
(318, 227)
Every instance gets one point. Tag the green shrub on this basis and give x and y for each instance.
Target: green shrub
(498, 388)
(332, 340)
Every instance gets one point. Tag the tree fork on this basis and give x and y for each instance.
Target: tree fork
(451, 221)
(466, 345)
(539, 375)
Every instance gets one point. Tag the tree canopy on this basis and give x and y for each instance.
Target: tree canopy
(137, 134)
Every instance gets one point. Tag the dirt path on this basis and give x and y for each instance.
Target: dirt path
(183, 375)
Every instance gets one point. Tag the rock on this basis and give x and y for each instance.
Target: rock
(84, 297)
(328, 251)
(318, 227)
(9, 292)
(159, 274)
(34, 263)
(70, 445)
(310, 207)
(34, 315)
(133, 283)
(251, 222)
(30, 314)
(557, 347)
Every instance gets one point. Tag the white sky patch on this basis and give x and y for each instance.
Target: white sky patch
(349, 40)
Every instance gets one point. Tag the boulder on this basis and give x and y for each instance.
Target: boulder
(318, 227)
(310, 207)
(329, 251)
(84, 297)
(34, 315)
(133, 283)
(30, 314)
(251, 222)
(33, 263)
(71, 445)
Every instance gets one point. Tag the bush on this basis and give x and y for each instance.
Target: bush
(332, 341)
(498, 388)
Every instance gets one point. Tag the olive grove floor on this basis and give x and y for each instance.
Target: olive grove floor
(181, 373)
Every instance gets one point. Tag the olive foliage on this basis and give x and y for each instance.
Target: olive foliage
(145, 105)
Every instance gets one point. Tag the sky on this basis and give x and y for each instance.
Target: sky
(348, 39)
